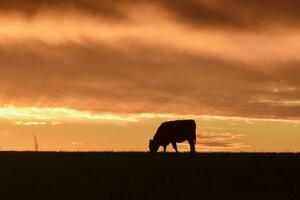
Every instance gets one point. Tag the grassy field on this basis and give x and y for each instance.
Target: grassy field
(28, 175)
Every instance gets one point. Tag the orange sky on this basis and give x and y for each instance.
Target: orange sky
(102, 75)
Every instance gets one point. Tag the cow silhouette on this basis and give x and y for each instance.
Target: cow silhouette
(174, 132)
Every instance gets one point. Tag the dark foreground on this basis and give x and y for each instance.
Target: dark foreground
(145, 176)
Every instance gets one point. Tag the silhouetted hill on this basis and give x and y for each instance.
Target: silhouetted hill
(28, 175)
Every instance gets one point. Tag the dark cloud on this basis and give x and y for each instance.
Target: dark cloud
(140, 80)
(104, 8)
(220, 140)
(247, 14)
(235, 13)
(217, 141)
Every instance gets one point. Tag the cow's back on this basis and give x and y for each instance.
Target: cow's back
(175, 131)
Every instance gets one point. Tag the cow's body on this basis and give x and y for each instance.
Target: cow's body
(174, 132)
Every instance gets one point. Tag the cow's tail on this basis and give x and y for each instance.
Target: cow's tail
(193, 147)
(195, 133)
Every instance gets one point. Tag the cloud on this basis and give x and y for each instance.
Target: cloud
(77, 143)
(106, 79)
(196, 58)
(54, 116)
(31, 8)
(234, 14)
(29, 116)
(196, 13)
(218, 142)
(28, 123)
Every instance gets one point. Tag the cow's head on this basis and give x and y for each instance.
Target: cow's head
(153, 147)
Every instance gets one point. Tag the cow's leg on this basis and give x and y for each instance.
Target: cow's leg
(175, 146)
(192, 145)
(165, 148)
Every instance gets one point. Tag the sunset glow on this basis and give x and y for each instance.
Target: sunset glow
(56, 114)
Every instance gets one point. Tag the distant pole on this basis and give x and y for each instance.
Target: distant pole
(36, 144)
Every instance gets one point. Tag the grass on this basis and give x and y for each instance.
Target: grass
(50, 175)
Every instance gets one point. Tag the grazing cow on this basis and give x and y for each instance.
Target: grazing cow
(173, 132)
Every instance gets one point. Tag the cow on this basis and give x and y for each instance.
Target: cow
(174, 132)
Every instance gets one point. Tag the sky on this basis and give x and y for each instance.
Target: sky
(86, 75)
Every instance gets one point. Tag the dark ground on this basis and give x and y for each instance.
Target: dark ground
(28, 175)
